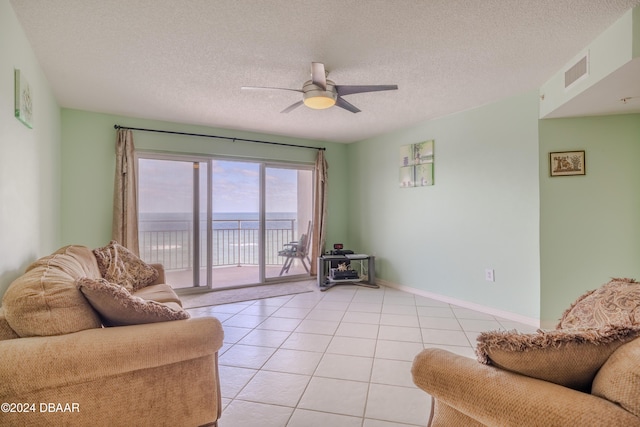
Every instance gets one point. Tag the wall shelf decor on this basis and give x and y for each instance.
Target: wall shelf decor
(566, 163)
(416, 164)
(23, 99)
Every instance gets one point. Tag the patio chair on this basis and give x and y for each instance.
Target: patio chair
(296, 250)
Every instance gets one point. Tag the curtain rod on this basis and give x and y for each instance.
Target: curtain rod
(219, 137)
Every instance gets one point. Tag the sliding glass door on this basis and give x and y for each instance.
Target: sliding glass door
(288, 211)
(172, 217)
(221, 223)
(235, 198)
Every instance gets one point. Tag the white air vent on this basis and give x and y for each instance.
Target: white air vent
(577, 72)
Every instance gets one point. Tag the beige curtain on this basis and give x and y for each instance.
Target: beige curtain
(125, 194)
(320, 210)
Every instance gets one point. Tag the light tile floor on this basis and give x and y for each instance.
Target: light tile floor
(339, 358)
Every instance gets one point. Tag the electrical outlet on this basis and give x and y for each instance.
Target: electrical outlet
(489, 275)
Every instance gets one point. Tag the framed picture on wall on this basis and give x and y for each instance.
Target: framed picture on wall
(416, 164)
(23, 101)
(566, 163)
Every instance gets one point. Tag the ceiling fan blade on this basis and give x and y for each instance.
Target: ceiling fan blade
(268, 88)
(292, 107)
(350, 90)
(340, 102)
(318, 75)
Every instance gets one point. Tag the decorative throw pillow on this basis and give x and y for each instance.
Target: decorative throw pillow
(117, 307)
(567, 357)
(119, 265)
(618, 380)
(615, 303)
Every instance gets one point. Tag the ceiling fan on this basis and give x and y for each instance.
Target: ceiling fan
(320, 93)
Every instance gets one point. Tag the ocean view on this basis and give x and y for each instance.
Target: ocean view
(168, 238)
(225, 220)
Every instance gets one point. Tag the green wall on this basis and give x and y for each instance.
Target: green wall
(88, 164)
(589, 224)
(482, 212)
(29, 158)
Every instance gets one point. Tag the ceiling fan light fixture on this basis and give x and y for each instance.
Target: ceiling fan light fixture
(319, 102)
(318, 98)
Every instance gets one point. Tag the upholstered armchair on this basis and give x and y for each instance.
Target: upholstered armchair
(586, 372)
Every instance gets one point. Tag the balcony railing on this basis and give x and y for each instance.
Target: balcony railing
(234, 242)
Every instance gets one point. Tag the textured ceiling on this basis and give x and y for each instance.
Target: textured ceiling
(185, 61)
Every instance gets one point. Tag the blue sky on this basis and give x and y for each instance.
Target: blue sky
(166, 186)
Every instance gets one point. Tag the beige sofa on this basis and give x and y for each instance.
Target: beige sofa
(60, 366)
(586, 372)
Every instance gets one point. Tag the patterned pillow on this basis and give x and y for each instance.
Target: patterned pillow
(119, 265)
(567, 357)
(615, 303)
(117, 307)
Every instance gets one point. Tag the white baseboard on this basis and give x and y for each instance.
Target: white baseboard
(465, 304)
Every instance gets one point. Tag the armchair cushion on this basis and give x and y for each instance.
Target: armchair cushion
(619, 378)
(160, 293)
(119, 265)
(44, 300)
(615, 303)
(566, 357)
(117, 307)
